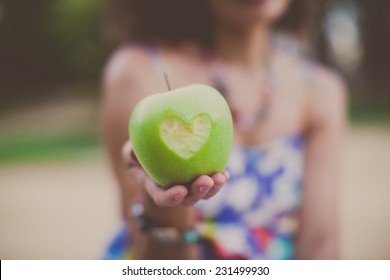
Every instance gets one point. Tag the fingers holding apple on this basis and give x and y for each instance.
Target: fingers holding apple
(202, 187)
(219, 181)
(180, 195)
(128, 155)
(174, 196)
(198, 189)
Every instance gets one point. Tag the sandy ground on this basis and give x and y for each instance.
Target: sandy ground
(69, 210)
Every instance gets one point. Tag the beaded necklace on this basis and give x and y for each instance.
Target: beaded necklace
(246, 123)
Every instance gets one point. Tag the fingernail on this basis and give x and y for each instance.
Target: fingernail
(217, 186)
(180, 197)
(203, 189)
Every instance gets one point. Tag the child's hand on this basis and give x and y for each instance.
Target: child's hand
(202, 187)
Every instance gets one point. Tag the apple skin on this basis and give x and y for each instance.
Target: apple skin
(160, 161)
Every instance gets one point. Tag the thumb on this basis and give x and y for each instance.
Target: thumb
(128, 155)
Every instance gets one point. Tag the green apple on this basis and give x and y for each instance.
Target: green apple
(181, 134)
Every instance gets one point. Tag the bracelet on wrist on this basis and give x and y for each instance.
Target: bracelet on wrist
(169, 235)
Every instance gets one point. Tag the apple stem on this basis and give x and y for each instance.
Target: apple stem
(167, 81)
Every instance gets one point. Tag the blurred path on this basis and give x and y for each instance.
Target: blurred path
(57, 210)
(69, 210)
(366, 194)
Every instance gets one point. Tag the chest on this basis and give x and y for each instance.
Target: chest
(245, 94)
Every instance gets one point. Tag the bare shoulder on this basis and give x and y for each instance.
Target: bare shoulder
(329, 98)
(128, 77)
(128, 69)
(330, 82)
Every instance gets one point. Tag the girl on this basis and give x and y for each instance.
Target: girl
(278, 199)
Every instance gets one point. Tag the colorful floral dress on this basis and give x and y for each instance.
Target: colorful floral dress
(254, 215)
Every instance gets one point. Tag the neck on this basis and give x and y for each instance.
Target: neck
(247, 47)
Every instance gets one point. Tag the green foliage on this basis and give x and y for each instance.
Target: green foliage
(362, 113)
(76, 27)
(29, 146)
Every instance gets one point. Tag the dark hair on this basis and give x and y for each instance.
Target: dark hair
(174, 21)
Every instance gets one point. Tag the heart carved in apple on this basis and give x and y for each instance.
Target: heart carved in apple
(182, 134)
(183, 138)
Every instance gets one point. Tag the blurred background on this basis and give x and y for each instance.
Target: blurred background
(58, 198)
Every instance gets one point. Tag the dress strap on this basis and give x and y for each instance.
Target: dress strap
(309, 69)
(159, 63)
(216, 76)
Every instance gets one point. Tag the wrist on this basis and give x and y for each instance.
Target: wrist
(180, 217)
(167, 234)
